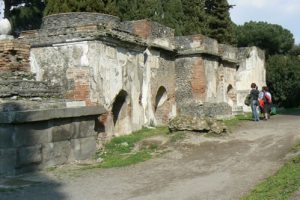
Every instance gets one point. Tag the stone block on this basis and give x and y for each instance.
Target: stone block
(6, 134)
(62, 129)
(85, 127)
(83, 148)
(31, 134)
(29, 155)
(56, 153)
(8, 159)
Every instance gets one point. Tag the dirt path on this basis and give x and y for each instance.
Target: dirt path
(201, 168)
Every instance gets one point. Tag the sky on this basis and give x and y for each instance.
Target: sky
(1, 9)
(282, 12)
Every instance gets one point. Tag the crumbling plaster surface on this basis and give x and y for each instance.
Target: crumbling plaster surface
(251, 69)
(106, 70)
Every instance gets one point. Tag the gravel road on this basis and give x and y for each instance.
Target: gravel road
(199, 168)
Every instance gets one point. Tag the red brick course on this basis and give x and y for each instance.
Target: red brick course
(198, 79)
(81, 90)
(14, 56)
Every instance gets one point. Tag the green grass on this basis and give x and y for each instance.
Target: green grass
(281, 185)
(237, 119)
(119, 151)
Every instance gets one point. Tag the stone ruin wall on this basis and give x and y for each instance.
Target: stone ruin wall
(101, 66)
(14, 56)
(95, 57)
(137, 70)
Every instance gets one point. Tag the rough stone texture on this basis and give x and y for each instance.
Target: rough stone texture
(99, 81)
(6, 138)
(56, 153)
(14, 56)
(228, 53)
(78, 19)
(29, 155)
(25, 88)
(138, 71)
(216, 110)
(31, 134)
(198, 82)
(147, 29)
(34, 143)
(251, 69)
(8, 159)
(83, 148)
(196, 124)
(163, 78)
(196, 44)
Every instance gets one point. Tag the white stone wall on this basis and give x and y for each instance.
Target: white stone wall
(106, 71)
(251, 70)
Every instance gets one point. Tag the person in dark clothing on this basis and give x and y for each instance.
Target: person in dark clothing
(254, 101)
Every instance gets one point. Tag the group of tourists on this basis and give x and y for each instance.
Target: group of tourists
(260, 102)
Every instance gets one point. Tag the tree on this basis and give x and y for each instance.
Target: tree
(295, 51)
(62, 6)
(283, 79)
(140, 9)
(219, 24)
(24, 14)
(173, 15)
(273, 38)
(194, 17)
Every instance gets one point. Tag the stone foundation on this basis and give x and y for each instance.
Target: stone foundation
(32, 140)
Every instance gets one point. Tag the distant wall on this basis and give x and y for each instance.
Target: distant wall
(251, 69)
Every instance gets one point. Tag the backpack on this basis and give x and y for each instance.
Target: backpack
(267, 99)
(248, 100)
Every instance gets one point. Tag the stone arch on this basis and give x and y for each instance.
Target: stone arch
(161, 97)
(231, 94)
(118, 105)
(229, 88)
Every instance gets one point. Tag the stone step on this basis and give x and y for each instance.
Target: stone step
(28, 88)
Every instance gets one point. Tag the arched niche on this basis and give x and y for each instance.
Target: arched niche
(229, 88)
(118, 105)
(161, 97)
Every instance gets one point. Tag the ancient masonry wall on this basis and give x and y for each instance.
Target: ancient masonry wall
(14, 56)
(31, 140)
(137, 72)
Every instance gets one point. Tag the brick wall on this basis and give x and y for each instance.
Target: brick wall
(198, 81)
(14, 56)
(81, 89)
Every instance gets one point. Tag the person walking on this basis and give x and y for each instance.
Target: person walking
(254, 101)
(267, 98)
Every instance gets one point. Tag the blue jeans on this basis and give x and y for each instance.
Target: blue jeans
(254, 104)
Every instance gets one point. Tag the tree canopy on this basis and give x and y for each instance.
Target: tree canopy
(273, 38)
(219, 24)
(24, 14)
(210, 17)
(63, 6)
(283, 79)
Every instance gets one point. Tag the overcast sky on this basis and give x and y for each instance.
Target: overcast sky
(283, 12)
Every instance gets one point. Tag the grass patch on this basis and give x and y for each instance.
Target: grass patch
(281, 185)
(237, 119)
(120, 150)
